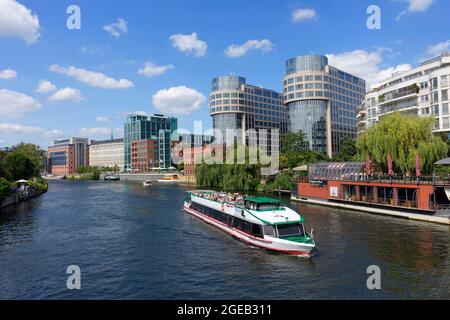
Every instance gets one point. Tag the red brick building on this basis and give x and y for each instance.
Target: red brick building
(62, 160)
(194, 156)
(144, 155)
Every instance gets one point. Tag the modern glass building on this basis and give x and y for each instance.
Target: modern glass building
(236, 105)
(143, 127)
(322, 101)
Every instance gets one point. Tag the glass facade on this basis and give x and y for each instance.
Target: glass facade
(58, 158)
(235, 105)
(306, 63)
(310, 117)
(311, 86)
(142, 127)
(164, 148)
(227, 83)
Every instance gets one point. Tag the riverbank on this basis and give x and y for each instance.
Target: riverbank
(20, 197)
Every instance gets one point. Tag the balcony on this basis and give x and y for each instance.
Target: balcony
(400, 94)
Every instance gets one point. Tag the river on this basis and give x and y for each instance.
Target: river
(137, 243)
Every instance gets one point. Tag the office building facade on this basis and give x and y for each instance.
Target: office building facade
(66, 156)
(322, 101)
(236, 105)
(155, 127)
(423, 91)
(108, 153)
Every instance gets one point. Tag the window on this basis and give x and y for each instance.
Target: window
(257, 231)
(269, 231)
(290, 230)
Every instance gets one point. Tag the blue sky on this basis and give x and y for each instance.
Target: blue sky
(184, 45)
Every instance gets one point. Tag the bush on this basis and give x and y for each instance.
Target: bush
(282, 181)
(5, 187)
(39, 184)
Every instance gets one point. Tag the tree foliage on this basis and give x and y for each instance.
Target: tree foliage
(294, 142)
(34, 152)
(403, 137)
(4, 188)
(19, 166)
(348, 151)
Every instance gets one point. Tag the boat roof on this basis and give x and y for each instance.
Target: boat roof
(278, 217)
(263, 200)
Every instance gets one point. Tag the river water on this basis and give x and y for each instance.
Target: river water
(137, 243)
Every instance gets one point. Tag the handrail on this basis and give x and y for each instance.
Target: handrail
(381, 179)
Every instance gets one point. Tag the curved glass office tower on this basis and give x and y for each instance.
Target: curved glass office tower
(322, 101)
(236, 105)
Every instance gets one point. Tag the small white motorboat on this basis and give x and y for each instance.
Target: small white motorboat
(147, 183)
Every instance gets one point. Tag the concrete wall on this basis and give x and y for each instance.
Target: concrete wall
(140, 177)
(15, 199)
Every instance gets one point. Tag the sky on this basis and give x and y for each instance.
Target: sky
(154, 56)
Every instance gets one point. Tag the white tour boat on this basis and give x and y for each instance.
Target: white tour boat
(260, 222)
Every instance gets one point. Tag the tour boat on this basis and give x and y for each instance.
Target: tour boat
(260, 222)
(349, 186)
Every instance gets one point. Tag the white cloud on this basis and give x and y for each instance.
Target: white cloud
(301, 15)
(17, 21)
(8, 74)
(66, 94)
(118, 28)
(102, 119)
(18, 129)
(15, 104)
(45, 86)
(100, 132)
(439, 48)
(189, 43)
(415, 6)
(235, 51)
(178, 100)
(53, 134)
(151, 70)
(92, 78)
(367, 65)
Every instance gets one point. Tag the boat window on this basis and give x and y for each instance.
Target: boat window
(290, 230)
(269, 231)
(268, 206)
(257, 231)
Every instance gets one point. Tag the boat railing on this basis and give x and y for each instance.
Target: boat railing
(442, 181)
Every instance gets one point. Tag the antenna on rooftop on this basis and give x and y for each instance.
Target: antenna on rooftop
(112, 134)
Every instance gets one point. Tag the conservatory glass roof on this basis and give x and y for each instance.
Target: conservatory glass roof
(335, 170)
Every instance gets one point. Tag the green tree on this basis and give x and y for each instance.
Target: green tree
(403, 137)
(20, 166)
(4, 188)
(294, 142)
(348, 150)
(34, 152)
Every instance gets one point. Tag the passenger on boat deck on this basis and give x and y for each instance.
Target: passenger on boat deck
(223, 197)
